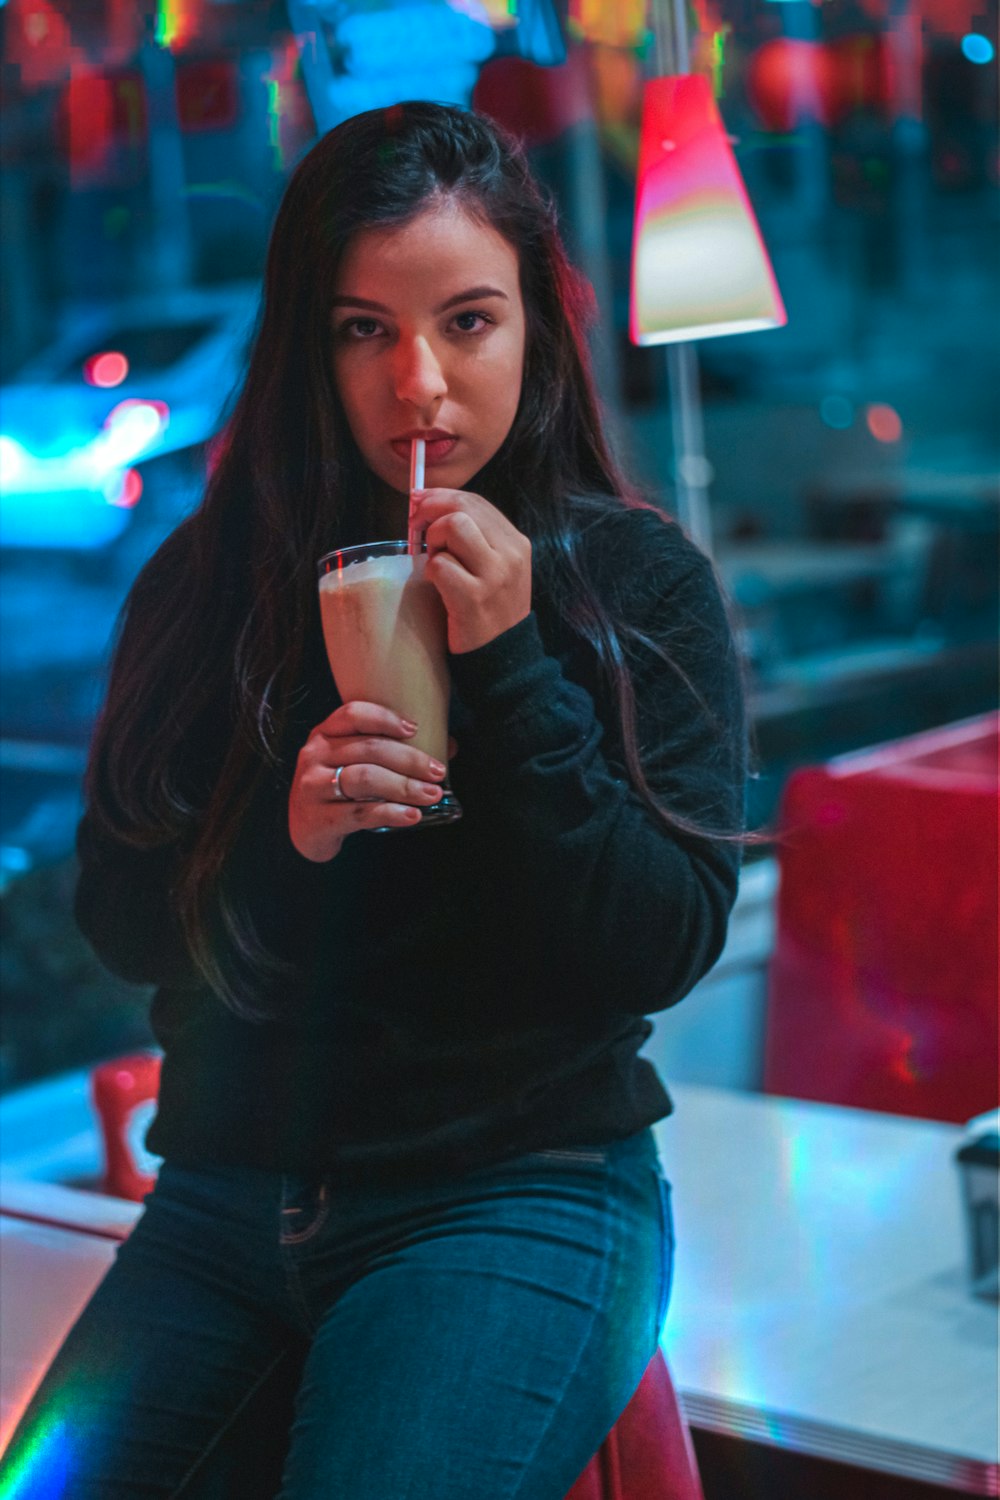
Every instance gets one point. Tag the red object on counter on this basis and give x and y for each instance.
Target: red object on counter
(883, 981)
(124, 1091)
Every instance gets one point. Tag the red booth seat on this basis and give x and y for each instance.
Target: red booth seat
(883, 982)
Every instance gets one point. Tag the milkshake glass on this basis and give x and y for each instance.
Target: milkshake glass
(386, 634)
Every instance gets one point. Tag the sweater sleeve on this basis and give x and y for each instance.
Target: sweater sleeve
(629, 910)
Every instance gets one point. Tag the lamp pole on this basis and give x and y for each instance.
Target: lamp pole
(691, 468)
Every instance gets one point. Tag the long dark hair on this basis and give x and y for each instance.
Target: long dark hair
(228, 602)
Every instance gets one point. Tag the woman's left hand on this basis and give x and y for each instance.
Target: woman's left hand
(479, 563)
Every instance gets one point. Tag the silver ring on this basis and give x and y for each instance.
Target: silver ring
(339, 795)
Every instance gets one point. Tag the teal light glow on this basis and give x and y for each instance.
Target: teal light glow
(79, 496)
(977, 48)
(837, 412)
(408, 39)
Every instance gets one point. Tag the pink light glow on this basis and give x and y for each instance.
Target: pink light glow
(105, 370)
(128, 496)
(884, 423)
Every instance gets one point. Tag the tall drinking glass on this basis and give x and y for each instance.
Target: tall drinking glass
(386, 635)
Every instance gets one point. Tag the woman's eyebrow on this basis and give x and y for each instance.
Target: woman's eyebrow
(474, 293)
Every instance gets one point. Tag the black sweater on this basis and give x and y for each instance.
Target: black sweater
(466, 993)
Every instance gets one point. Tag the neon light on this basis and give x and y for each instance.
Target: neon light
(105, 370)
(167, 22)
(499, 13)
(279, 82)
(274, 121)
(174, 23)
(717, 46)
(978, 49)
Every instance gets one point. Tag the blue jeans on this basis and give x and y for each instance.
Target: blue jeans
(261, 1335)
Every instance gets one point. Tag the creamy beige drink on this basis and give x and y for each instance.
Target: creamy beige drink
(386, 636)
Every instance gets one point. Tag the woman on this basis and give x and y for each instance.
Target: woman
(409, 1172)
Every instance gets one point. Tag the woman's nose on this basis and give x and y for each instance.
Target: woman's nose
(419, 377)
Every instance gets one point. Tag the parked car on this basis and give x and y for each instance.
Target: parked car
(118, 387)
(118, 409)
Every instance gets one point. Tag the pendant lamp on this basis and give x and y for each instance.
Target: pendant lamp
(699, 265)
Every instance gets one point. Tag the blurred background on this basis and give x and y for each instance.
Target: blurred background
(847, 461)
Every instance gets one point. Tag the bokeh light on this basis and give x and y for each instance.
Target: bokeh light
(129, 492)
(884, 423)
(106, 370)
(176, 23)
(977, 48)
(837, 411)
(695, 469)
(13, 460)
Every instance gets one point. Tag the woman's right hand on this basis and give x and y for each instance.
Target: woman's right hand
(385, 781)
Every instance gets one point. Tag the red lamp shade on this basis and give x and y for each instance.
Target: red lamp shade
(699, 266)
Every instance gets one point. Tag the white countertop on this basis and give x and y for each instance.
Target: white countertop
(820, 1298)
(47, 1275)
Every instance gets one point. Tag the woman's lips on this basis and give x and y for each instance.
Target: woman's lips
(435, 452)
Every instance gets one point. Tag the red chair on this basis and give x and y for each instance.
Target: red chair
(647, 1455)
(883, 980)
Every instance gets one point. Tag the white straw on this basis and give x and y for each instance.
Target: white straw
(417, 464)
(417, 451)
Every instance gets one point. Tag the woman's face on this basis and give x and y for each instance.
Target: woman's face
(428, 337)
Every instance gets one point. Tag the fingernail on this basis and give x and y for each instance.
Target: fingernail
(408, 726)
(437, 768)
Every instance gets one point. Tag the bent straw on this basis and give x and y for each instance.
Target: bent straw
(417, 452)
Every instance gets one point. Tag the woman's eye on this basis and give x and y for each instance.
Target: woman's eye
(472, 322)
(359, 328)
